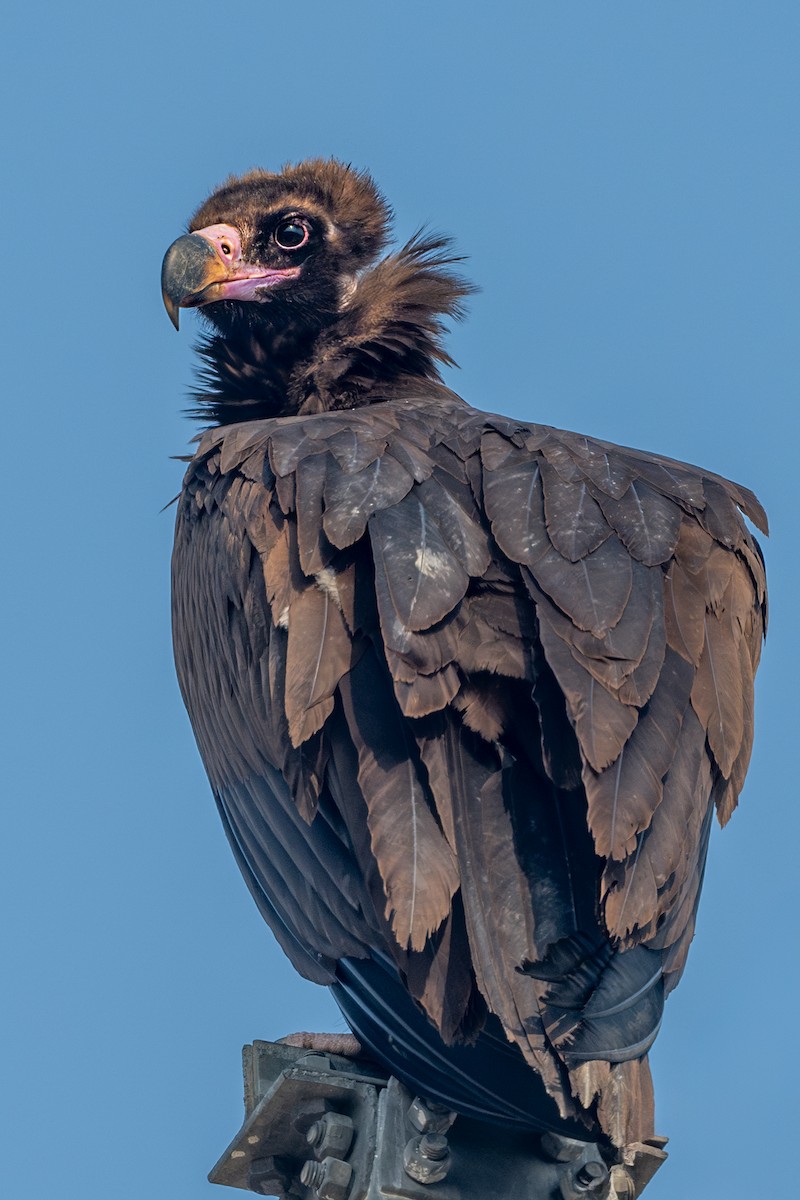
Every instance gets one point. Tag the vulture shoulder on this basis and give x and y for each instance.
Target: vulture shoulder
(468, 691)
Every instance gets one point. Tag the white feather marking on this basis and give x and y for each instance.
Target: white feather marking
(347, 290)
(326, 582)
(430, 563)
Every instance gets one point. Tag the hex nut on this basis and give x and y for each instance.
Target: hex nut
(560, 1148)
(591, 1176)
(331, 1135)
(427, 1116)
(427, 1158)
(330, 1179)
(313, 1061)
(308, 1112)
(269, 1174)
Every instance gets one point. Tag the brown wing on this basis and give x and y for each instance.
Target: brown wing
(466, 691)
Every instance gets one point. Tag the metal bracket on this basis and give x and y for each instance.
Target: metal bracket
(323, 1127)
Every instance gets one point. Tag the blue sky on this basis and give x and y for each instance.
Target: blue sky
(624, 177)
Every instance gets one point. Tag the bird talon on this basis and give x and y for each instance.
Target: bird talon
(324, 1043)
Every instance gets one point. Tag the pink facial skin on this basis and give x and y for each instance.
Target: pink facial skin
(243, 281)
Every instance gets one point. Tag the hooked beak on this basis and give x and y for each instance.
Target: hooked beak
(200, 268)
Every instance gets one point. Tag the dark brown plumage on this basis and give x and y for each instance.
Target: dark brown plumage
(467, 689)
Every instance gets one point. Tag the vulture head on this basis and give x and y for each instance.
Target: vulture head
(303, 315)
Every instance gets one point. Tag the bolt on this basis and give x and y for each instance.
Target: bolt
(591, 1176)
(330, 1179)
(427, 1158)
(428, 1116)
(433, 1146)
(312, 1174)
(332, 1135)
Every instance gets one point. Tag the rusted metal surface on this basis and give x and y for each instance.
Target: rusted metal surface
(322, 1127)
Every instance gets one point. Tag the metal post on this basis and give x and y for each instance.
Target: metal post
(322, 1127)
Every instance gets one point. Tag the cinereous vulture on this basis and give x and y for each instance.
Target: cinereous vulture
(468, 689)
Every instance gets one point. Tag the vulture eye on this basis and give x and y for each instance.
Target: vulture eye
(291, 234)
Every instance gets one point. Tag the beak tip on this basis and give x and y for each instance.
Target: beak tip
(188, 267)
(173, 310)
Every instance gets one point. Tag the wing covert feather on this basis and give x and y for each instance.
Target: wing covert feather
(623, 799)
(417, 866)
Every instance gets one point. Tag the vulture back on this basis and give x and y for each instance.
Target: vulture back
(468, 692)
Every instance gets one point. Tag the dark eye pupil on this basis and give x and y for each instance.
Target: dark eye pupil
(291, 234)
